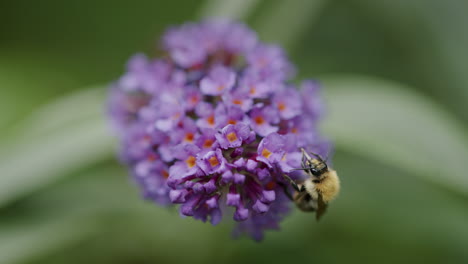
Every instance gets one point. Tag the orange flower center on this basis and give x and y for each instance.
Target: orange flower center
(189, 137)
(210, 120)
(270, 186)
(281, 106)
(194, 99)
(266, 153)
(208, 143)
(221, 87)
(237, 101)
(213, 161)
(231, 136)
(259, 120)
(190, 161)
(294, 130)
(165, 174)
(252, 90)
(152, 157)
(232, 122)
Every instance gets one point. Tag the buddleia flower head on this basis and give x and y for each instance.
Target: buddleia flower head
(214, 123)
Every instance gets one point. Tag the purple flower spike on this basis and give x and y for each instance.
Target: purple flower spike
(213, 126)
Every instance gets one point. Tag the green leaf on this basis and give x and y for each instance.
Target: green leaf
(98, 201)
(229, 9)
(388, 122)
(76, 108)
(20, 95)
(61, 137)
(63, 215)
(22, 242)
(284, 22)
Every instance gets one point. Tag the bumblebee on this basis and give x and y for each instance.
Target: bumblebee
(322, 186)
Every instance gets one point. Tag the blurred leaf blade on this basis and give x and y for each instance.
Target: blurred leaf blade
(88, 205)
(385, 121)
(227, 9)
(23, 242)
(284, 22)
(54, 141)
(74, 108)
(64, 215)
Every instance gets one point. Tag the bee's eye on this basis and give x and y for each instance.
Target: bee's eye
(315, 172)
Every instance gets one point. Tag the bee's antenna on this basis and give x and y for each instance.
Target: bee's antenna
(319, 157)
(305, 154)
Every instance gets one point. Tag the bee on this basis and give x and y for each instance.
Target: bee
(322, 186)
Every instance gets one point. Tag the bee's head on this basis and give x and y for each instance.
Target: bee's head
(313, 165)
(317, 167)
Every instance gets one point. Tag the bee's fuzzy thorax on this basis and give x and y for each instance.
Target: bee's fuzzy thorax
(329, 186)
(311, 188)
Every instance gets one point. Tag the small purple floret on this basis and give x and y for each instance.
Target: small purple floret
(219, 81)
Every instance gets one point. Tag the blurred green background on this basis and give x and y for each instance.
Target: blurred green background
(396, 84)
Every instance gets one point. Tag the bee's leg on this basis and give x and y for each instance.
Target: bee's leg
(286, 191)
(293, 183)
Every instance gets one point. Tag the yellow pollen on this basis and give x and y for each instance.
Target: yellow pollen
(283, 158)
(231, 136)
(190, 161)
(266, 153)
(213, 161)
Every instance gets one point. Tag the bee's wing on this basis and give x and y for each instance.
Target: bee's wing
(321, 207)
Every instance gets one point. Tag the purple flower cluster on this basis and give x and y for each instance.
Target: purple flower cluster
(215, 123)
